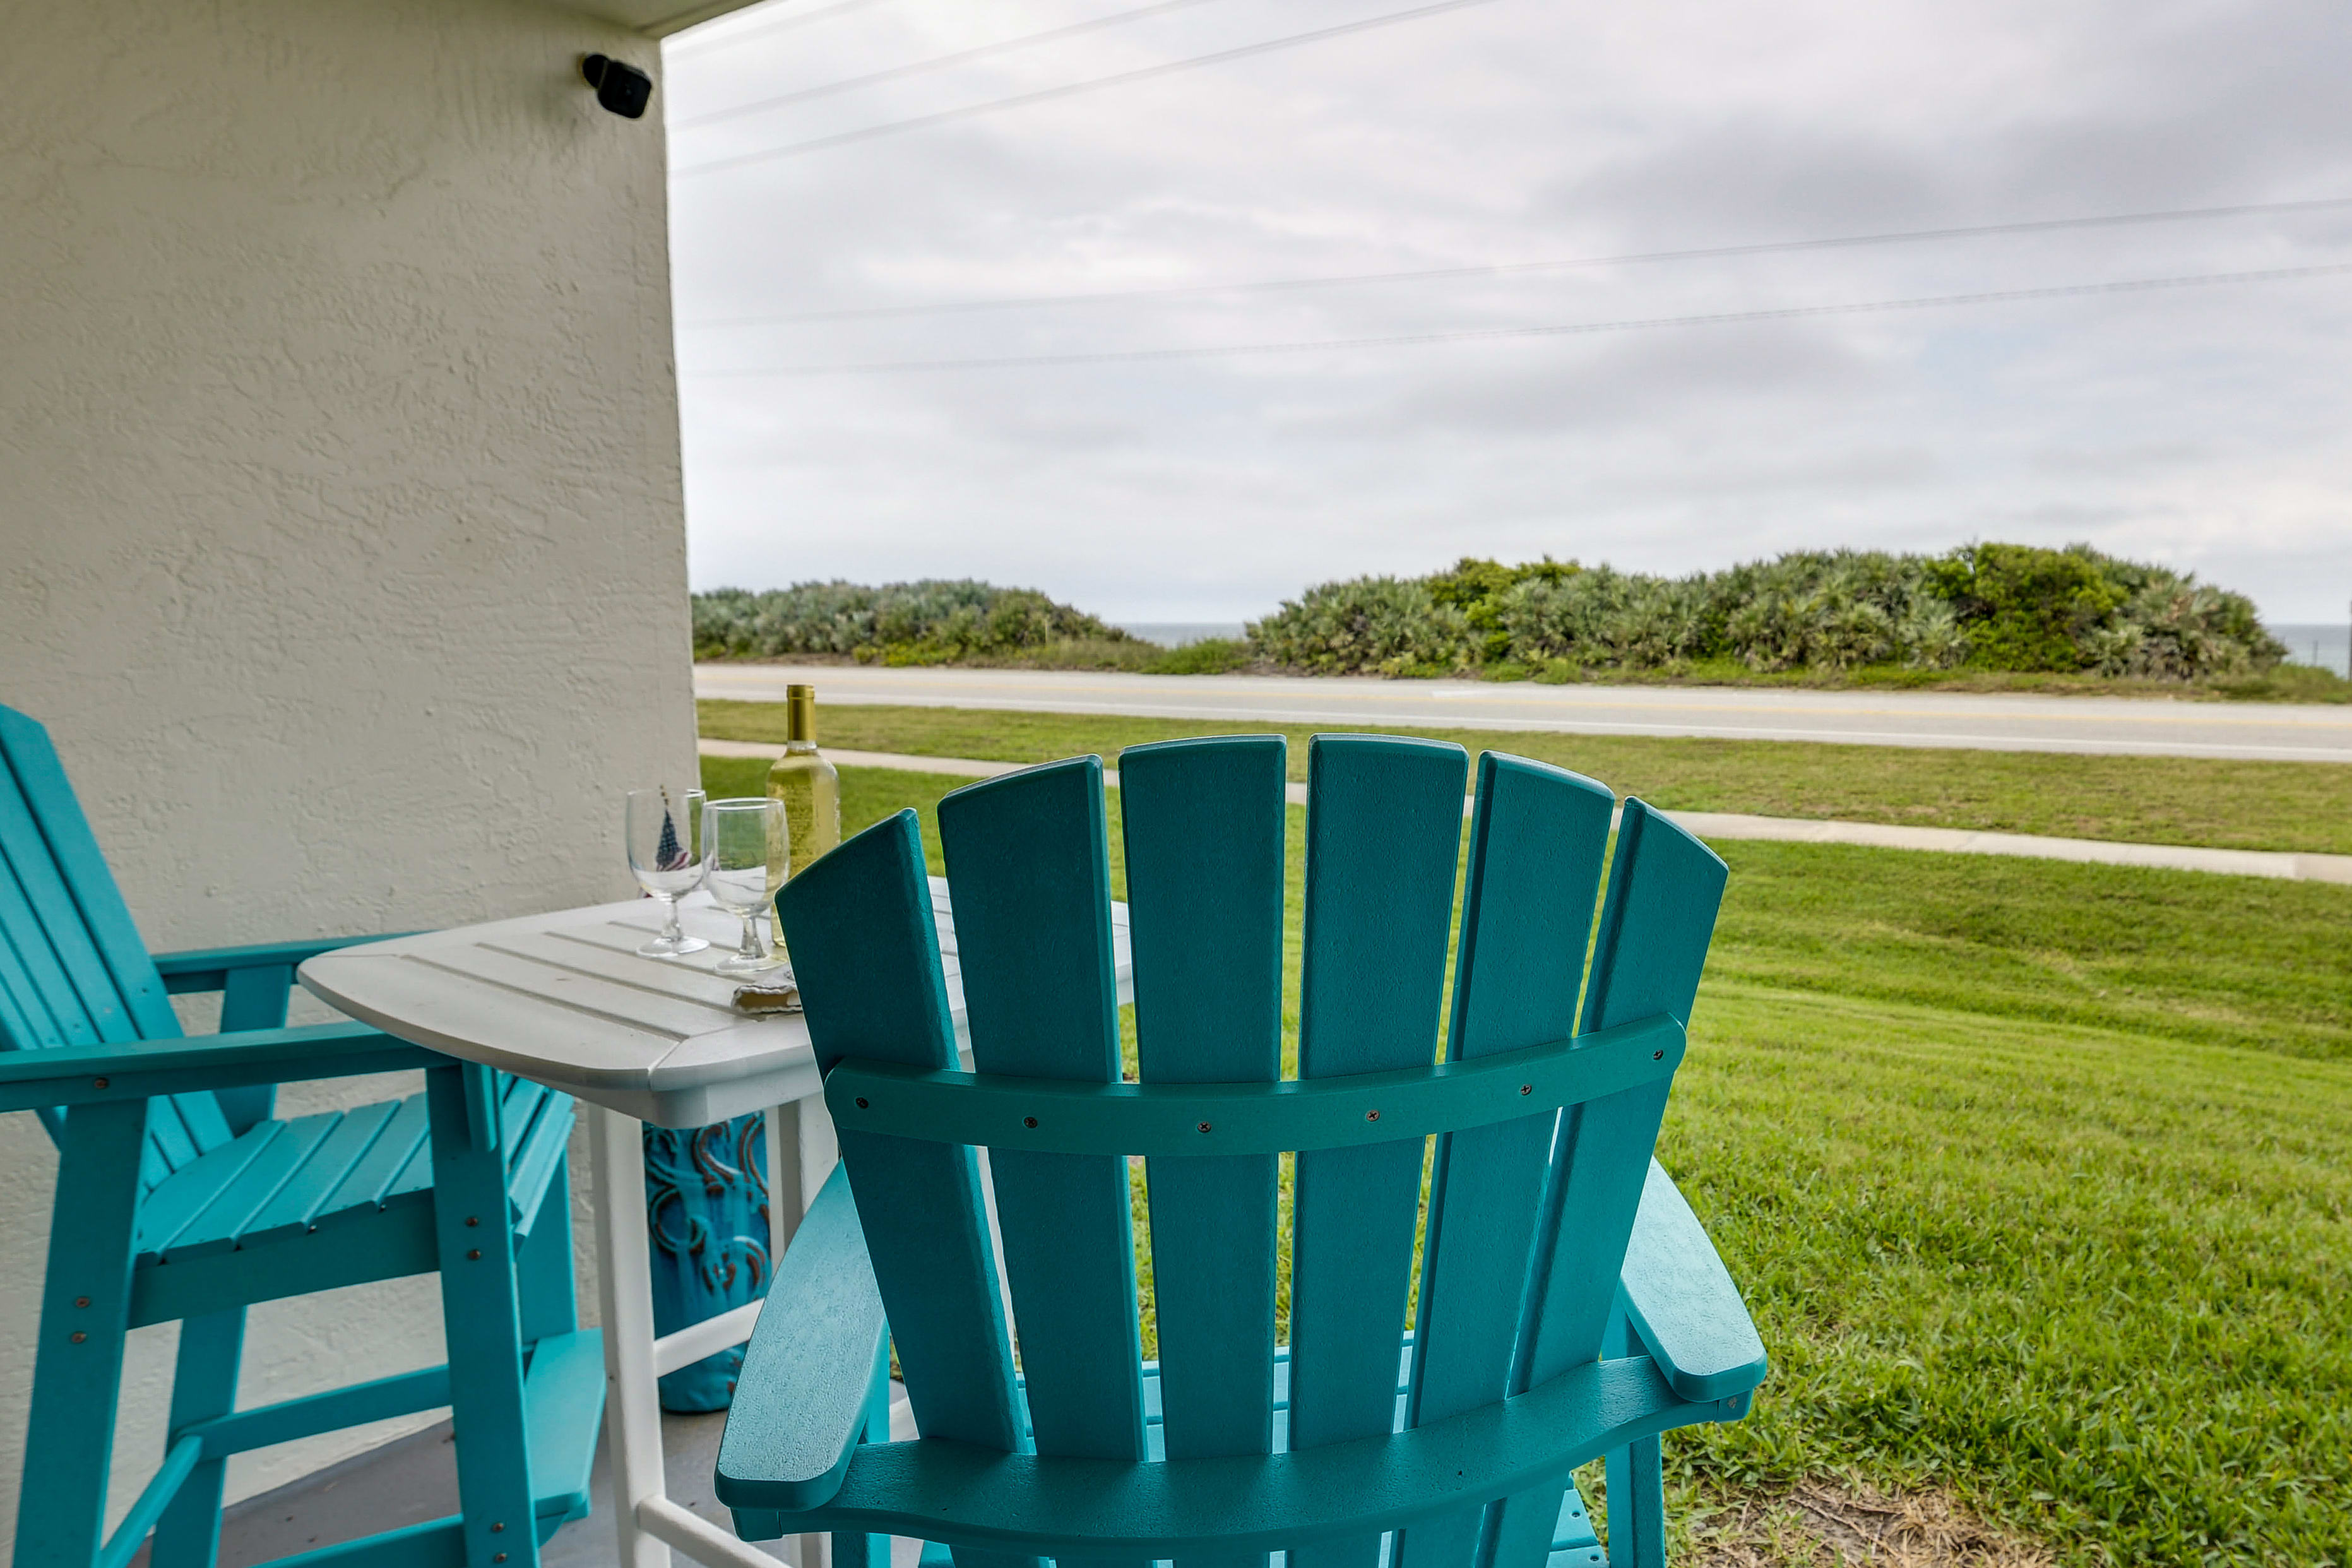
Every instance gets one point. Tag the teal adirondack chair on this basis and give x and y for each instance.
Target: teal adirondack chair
(1569, 1306)
(179, 1198)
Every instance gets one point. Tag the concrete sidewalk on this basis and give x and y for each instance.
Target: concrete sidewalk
(2283, 866)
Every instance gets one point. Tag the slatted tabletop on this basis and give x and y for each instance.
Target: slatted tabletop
(565, 1000)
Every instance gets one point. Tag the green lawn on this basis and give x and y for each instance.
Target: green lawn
(2302, 806)
(2036, 1179)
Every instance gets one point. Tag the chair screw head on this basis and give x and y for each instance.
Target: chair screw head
(1028, 1121)
(498, 1526)
(81, 1301)
(861, 1102)
(97, 1083)
(78, 1336)
(497, 1557)
(1657, 1055)
(1204, 1127)
(475, 1256)
(473, 1219)
(1372, 1116)
(1527, 1089)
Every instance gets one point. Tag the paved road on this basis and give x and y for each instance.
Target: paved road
(2022, 723)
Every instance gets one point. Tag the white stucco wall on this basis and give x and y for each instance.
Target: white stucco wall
(341, 545)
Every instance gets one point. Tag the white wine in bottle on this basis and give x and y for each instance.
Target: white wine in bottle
(807, 784)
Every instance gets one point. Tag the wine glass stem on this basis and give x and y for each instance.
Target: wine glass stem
(673, 932)
(751, 948)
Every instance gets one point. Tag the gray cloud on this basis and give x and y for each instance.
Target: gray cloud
(2202, 427)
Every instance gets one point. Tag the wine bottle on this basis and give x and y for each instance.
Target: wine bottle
(807, 783)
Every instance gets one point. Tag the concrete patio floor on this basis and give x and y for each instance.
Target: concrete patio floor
(414, 1478)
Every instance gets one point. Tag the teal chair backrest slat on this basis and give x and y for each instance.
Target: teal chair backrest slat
(1538, 836)
(866, 947)
(73, 970)
(1383, 843)
(1029, 880)
(1383, 840)
(1664, 889)
(1204, 823)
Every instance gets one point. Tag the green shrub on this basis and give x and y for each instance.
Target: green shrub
(2026, 609)
(1986, 606)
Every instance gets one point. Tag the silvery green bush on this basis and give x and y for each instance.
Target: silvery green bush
(1382, 625)
(934, 619)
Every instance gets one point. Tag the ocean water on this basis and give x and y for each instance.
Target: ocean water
(1176, 633)
(2328, 647)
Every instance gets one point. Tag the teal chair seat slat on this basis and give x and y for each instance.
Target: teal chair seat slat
(517, 1106)
(539, 1156)
(284, 1179)
(278, 1163)
(174, 1203)
(415, 1175)
(193, 1206)
(298, 1203)
(1569, 1305)
(370, 1180)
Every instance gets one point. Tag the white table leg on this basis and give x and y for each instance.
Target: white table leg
(624, 1287)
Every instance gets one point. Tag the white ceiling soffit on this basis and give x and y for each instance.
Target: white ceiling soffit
(655, 19)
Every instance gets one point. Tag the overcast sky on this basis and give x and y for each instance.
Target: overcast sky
(2207, 425)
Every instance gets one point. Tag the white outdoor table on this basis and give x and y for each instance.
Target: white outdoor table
(564, 1000)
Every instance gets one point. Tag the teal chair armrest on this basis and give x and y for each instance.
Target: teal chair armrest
(803, 1398)
(208, 968)
(84, 1075)
(1680, 1301)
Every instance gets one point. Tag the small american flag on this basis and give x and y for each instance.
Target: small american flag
(668, 855)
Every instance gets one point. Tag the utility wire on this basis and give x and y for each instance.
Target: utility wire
(937, 62)
(796, 18)
(1070, 90)
(1499, 269)
(1578, 328)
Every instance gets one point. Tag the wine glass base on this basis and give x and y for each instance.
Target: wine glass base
(736, 964)
(663, 947)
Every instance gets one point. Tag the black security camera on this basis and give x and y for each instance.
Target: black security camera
(620, 87)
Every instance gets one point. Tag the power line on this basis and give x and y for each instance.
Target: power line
(1578, 328)
(770, 25)
(1498, 270)
(937, 62)
(1070, 90)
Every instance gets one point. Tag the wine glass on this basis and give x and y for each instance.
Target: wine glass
(670, 852)
(749, 858)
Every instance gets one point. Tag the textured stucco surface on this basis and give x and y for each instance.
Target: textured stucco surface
(344, 551)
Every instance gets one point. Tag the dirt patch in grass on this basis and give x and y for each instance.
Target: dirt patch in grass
(1832, 1526)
